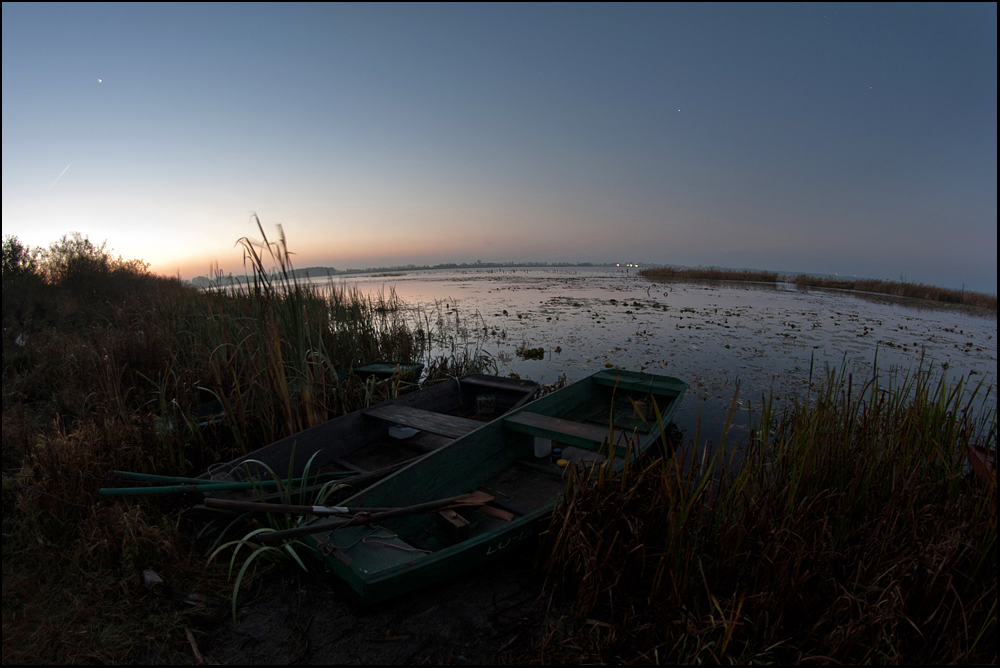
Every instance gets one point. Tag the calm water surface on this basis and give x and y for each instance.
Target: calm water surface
(765, 338)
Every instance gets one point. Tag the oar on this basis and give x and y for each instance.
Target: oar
(473, 499)
(258, 507)
(184, 489)
(204, 485)
(327, 511)
(358, 481)
(150, 477)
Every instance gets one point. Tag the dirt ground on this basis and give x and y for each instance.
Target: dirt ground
(494, 614)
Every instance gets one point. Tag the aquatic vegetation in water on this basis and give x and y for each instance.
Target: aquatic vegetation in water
(526, 353)
(709, 333)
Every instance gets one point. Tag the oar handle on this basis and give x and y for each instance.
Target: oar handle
(258, 507)
(473, 499)
(205, 485)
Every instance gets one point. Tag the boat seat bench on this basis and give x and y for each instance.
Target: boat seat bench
(657, 386)
(564, 431)
(417, 418)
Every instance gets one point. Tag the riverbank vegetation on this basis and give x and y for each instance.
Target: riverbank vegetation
(106, 367)
(845, 528)
(843, 531)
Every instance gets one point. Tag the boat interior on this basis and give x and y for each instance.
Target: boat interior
(520, 460)
(388, 434)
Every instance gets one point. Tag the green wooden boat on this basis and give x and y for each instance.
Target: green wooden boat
(409, 373)
(385, 435)
(406, 553)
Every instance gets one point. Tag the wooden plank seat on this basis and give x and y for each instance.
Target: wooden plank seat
(498, 384)
(343, 463)
(658, 385)
(417, 418)
(580, 434)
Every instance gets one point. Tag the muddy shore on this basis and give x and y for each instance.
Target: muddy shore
(494, 614)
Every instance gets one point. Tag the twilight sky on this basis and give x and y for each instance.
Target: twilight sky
(858, 139)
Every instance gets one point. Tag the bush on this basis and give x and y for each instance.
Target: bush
(18, 260)
(69, 284)
(22, 284)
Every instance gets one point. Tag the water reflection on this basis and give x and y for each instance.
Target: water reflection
(764, 338)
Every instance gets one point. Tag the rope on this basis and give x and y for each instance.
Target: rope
(226, 469)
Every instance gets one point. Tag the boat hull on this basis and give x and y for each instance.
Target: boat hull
(408, 553)
(362, 440)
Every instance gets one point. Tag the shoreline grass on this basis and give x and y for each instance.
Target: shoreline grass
(845, 532)
(108, 367)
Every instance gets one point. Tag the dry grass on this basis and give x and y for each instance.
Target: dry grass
(71, 565)
(846, 533)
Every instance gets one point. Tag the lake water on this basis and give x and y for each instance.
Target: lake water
(764, 337)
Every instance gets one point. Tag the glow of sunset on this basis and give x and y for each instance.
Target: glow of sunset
(814, 138)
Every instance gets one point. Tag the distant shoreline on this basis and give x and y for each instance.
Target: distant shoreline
(964, 298)
(320, 272)
(921, 291)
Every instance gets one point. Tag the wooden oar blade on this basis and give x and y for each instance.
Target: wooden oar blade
(473, 499)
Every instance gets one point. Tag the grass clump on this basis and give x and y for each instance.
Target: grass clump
(843, 530)
(526, 353)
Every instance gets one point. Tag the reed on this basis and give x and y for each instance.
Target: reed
(843, 530)
(902, 289)
(454, 344)
(273, 345)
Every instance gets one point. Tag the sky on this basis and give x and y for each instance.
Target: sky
(822, 138)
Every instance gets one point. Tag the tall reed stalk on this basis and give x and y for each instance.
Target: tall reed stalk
(274, 344)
